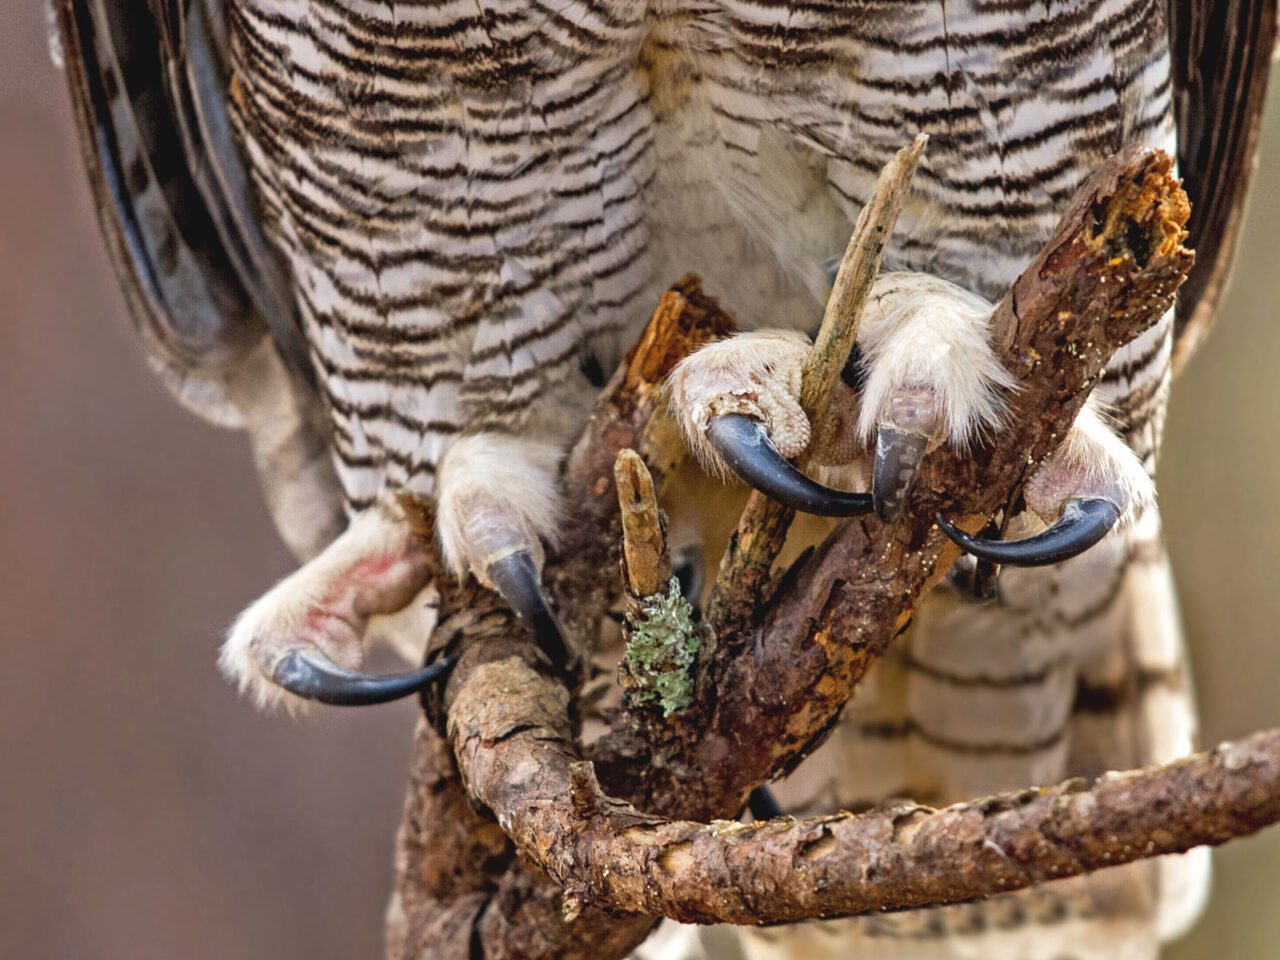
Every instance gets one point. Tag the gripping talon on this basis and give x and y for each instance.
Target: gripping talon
(745, 446)
(764, 805)
(898, 457)
(687, 566)
(313, 676)
(1083, 523)
(516, 578)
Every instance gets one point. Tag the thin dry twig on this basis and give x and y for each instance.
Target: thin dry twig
(748, 561)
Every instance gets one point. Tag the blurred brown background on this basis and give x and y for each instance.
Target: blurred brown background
(145, 812)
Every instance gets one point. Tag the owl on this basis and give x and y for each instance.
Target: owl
(399, 243)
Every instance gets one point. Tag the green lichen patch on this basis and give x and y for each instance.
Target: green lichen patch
(662, 650)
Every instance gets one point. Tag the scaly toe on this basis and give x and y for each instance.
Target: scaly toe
(745, 446)
(755, 375)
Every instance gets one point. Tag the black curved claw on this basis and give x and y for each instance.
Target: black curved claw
(763, 804)
(898, 457)
(313, 676)
(1083, 523)
(745, 446)
(687, 566)
(516, 578)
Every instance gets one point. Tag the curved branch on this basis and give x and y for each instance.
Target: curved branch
(508, 719)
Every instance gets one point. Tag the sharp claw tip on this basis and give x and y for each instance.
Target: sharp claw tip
(1083, 523)
(743, 442)
(517, 580)
(312, 676)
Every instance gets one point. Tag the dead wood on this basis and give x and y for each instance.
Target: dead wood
(777, 683)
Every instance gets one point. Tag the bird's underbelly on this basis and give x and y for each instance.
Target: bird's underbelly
(474, 199)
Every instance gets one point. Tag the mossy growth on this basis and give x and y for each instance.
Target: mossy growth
(662, 650)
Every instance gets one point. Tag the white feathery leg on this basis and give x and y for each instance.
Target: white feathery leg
(497, 494)
(930, 377)
(498, 503)
(1091, 462)
(305, 638)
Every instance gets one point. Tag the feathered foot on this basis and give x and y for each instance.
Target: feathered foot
(304, 640)
(738, 404)
(498, 504)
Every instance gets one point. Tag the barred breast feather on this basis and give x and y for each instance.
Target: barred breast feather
(476, 197)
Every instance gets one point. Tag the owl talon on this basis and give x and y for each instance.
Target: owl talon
(313, 676)
(1084, 521)
(764, 805)
(1090, 483)
(743, 444)
(898, 457)
(304, 639)
(516, 579)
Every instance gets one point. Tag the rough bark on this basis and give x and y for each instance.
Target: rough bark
(582, 577)
(777, 684)
(509, 729)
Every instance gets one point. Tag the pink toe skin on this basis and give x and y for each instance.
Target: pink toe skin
(379, 584)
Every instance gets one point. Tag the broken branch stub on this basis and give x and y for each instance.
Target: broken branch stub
(645, 562)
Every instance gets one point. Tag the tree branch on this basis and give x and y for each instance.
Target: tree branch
(507, 717)
(778, 682)
(455, 889)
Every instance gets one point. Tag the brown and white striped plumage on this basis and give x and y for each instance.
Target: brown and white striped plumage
(472, 198)
(477, 203)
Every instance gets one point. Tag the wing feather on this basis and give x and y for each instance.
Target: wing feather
(210, 302)
(172, 198)
(1221, 53)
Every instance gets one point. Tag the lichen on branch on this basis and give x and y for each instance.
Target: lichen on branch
(662, 650)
